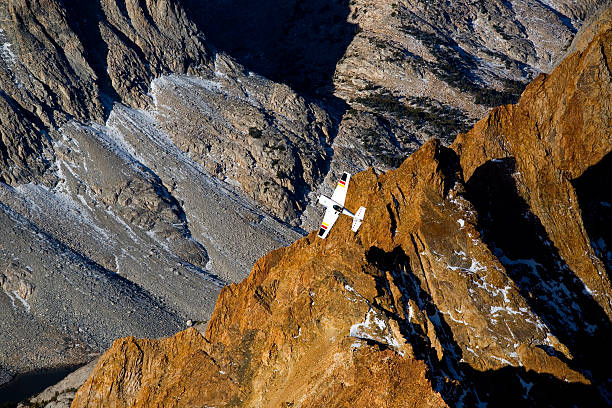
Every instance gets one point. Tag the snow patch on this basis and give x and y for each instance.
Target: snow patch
(14, 295)
(299, 333)
(503, 360)
(25, 304)
(7, 293)
(450, 315)
(374, 328)
(7, 54)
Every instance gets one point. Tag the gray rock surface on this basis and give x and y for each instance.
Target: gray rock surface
(63, 305)
(425, 68)
(62, 60)
(250, 131)
(141, 170)
(432, 68)
(61, 394)
(93, 244)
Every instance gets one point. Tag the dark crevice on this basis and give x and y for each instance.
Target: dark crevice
(142, 5)
(458, 383)
(121, 5)
(393, 220)
(449, 166)
(83, 18)
(134, 47)
(552, 290)
(595, 201)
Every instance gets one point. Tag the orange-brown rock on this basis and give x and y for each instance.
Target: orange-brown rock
(560, 128)
(479, 275)
(154, 373)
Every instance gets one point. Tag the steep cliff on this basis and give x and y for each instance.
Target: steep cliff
(65, 60)
(480, 275)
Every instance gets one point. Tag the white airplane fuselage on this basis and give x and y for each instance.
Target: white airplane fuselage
(328, 202)
(334, 206)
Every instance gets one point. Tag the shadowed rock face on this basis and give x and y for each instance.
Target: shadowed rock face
(478, 276)
(294, 42)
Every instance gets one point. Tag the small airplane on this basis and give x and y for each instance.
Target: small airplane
(335, 207)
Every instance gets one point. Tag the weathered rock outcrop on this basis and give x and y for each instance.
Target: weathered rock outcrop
(469, 57)
(249, 131)
(64, 60)
(460, 287)
(24, 148)
(67, 59)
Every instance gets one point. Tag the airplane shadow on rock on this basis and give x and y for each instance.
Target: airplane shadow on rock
(457, 382)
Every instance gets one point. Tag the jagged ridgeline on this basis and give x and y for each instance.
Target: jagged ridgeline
(480, 275)
(152, 151)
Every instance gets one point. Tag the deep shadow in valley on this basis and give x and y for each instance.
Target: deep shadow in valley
(595, 201)
(28, 384)
(297, 42)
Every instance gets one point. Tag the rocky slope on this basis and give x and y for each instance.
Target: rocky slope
(64, 60)
(422, 69)
(480, 276)
(141, 169)
(108, 227)
(397, 72)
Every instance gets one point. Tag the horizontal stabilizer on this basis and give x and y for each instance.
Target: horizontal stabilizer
(358, 219)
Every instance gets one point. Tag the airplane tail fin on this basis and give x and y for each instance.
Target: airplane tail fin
(358, 219)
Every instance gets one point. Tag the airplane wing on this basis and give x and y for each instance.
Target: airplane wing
(340, 192)
(328, 221)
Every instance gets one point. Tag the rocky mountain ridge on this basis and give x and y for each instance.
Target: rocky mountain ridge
(136, 155)
(404, 71)
(480, 276)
